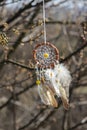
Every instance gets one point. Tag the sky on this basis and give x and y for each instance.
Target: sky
(68, 3)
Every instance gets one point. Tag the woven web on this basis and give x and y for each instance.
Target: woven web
(45, 62)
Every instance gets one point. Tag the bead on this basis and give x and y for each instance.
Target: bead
(38, 82)
(46, 55)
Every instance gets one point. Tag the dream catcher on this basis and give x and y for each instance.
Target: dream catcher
(53, 78)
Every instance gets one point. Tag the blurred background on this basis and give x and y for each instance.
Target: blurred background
(21, 23)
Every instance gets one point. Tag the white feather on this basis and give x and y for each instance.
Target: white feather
(59, 76)
(49, 74)
(56, 86)
(43, 95)
(63, 75)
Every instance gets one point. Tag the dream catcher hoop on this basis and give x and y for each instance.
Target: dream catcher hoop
(46, 55)
(53, 79)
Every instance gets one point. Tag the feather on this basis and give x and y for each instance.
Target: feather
(47, 95)
(63, 75)
(64, 97)
(49, 74)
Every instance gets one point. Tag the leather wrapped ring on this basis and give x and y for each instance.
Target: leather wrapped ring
(46, 55)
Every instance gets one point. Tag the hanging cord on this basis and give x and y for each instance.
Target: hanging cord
(44, 15)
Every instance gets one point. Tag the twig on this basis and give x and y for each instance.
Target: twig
(41, 123)
(19, 82)
(18, 64)
(14, 110)
(32, 120)
(75, 52)
(16, 15)
(84, 121)
(16, 94)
